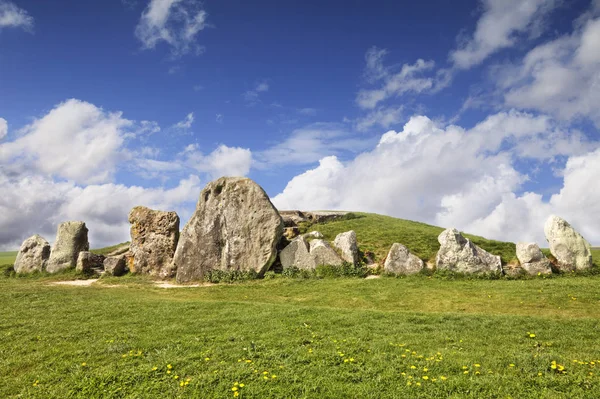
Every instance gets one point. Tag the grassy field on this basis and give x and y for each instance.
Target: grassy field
(287, 338)
(8, 258)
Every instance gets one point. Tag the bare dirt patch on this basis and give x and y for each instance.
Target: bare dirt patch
(80, 283)
(163, 284)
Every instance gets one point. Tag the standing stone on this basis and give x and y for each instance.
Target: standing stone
(532, 259)
(87, 262)
(235, 227)
(33, 255)
(154, 236)
(570, 249)
(296, 254)
(400, 261)
(459, 254)
(323, 254)
(115, 265)
(346, 243)
(71, 238)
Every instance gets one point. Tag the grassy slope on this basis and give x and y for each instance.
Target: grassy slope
(104, 341)
(8, 258)
(377, 233)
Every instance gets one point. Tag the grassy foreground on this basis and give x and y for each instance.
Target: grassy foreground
(286, 338)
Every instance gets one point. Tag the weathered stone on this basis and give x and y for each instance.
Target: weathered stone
(33, 255)
(87, 261)
(313, 234)
(292, 218)
(459, 254)
(325, 216)
(532, 259)
(115, 265)
(235, 227)
(154, 236)
(400, 261)
(291, 232)
(323, 254)
(71, 238)
(570, 249)
(120, 250)
(348, 246)
(297, 254)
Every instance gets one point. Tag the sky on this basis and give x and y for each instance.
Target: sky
(480, 114)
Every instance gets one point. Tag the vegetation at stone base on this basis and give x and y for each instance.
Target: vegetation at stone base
(320, 338)
(377, 233)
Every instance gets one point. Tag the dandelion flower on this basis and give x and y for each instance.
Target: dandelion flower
(242, 385)
(83, 364)
(234, 389)
(425, 377)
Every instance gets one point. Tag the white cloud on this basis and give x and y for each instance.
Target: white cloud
(408, 80)
(309, 144)
(560, 77)
(186, 123)
(175, 22)
(219, 118)
(12, 16)
(383, 117)
(447, 176)
(37, 204)
(307, 111)
(75, 140)
(499, 27)
(223, 161)
(251, 96)
(3, 128)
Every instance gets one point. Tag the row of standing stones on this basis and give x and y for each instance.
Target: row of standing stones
(235, 227)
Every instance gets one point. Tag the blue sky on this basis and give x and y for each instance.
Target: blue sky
(476, 114)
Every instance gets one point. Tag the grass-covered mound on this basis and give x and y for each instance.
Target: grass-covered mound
(287, 338)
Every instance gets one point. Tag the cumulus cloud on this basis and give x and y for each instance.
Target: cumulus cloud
(175, 22)
(448, 176)
(75, 140)
(3, 128)
(37, 204)
(223, 161)
(560, 77)
(500, 25)
(12, 16)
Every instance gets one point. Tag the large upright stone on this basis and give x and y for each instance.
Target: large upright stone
(459, 254)
(71, 238)
(532, 259)
(348, 246)
(154, 236)
(400, 261)
(323, 254)
(33, 255)
(234, 227)
(297, 254)
(570, 249)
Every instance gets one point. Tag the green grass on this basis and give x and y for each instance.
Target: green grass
(8, 258)
(377, 233)
(328, 338)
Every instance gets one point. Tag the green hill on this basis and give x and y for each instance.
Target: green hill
(377, 233)
(8, 258)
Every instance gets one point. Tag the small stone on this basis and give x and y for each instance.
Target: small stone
(33, 255)
(115, 265)
(323, 254)
(87, 261)
(400, 261)
(532, 259)
(459, 254)
(348, 246)
(296, 254)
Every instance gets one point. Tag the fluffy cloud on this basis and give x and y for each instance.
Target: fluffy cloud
(175, 22)
(251, 96)
(223, 161)
(408, 79)
(561, 77)
(448, 176)
(382, 116)
(499, 27)
(76, 140)
(12, 16)
(186, 123)
(3, 128)
(37, 204)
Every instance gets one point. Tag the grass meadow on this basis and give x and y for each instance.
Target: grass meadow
(436, 336)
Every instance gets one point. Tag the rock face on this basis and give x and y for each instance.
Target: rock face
(570, 249)
(71, 238)
(400, 261)
(154, 237)
(115, 265)
(297, 254)
(87, 262)
(290, 232)
(532, 259)
(33, 255)
(323, 254)
(313, 234)
(459, 254)
(346, 243)
(234, 227)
